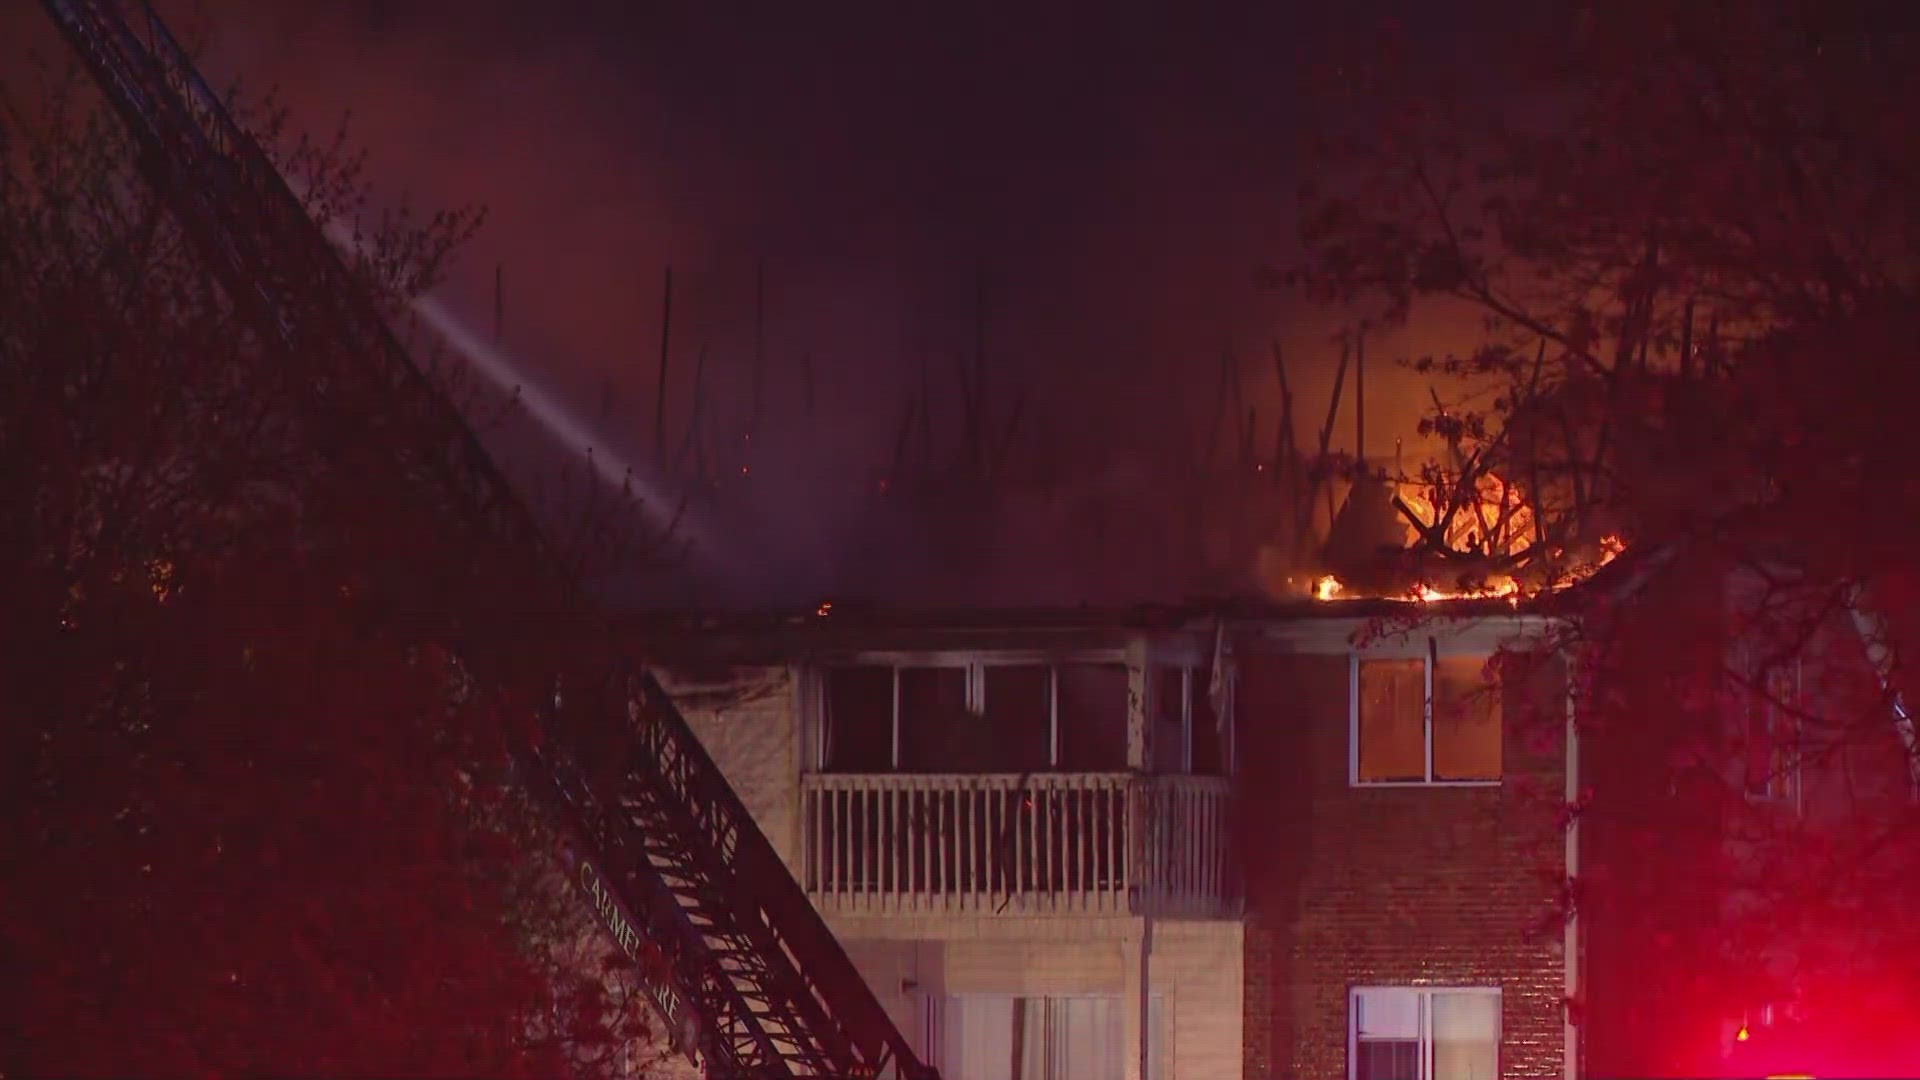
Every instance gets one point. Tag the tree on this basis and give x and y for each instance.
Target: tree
(250, 821)
(1690, 231)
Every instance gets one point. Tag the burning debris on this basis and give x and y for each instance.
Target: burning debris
(1390, 542)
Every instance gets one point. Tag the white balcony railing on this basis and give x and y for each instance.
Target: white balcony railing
(1037, 843)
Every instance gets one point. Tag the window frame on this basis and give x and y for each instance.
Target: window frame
(973, 665)
(1425, 995)
(1762, 704)
(1196, 675)
(1429, 657)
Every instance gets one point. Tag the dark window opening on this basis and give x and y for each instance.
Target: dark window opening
(1093, 717)
(858, 719)
(1168, 748)
(1019, 716)
(1207, 751)
(937, 732)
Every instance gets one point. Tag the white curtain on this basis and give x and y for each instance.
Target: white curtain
(1466, 1035)
(975, 1035)
(1001, 1037)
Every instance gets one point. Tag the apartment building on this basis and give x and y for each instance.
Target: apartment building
(1316, 840)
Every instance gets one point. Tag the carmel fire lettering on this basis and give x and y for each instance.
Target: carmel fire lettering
(609, 911)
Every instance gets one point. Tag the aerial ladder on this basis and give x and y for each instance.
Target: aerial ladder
(748, 980)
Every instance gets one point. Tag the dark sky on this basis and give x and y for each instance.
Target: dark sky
(1120, 170)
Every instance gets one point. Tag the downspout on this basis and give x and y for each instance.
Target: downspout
(1570, 943)
(1146, 998)
(1873, 634)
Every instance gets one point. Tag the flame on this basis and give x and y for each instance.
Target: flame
(1495, 587)
(1500, 497)
(1610, 548)
(1498, 587)
(1464, 532)
(825, 609)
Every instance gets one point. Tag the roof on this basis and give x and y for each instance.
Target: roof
(830, 619)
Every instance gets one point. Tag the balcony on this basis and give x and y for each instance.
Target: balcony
(1020, 844)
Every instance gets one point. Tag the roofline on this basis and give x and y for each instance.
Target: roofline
(1066, 618)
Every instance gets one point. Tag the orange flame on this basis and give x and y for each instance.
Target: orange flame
(1464, 531)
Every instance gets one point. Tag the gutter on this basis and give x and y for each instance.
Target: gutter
(1571, 941)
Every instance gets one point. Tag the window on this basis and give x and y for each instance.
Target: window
(857, 719)
(1188, 737)
(972, 717)
(1005, 1037)
(1424, 1034)
(1090, 705)
(1772, 735)
(1424, 719)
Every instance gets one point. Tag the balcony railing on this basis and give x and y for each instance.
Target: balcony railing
(1038, 843)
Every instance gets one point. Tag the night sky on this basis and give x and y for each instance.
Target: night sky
(1120, 175)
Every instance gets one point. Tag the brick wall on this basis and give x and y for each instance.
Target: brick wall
(1394, 886)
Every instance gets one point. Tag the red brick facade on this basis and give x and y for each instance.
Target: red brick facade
(1392, 886)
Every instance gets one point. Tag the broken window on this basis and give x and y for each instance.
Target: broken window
(1391, 720)
(857, 719)
(1019, 716)
(1466, 720)
(1092, 717)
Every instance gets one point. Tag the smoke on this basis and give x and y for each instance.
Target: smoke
(1118, 180)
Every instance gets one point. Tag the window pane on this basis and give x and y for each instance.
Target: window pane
(1093, 717)
(1386, 1029)
(1466, 720)
(858, 708)
(1083, 1040)
(976, 1037)
(1393, 737)
(937, 734)
(1466, 1035)
(1019, 716)
(1209, 739)
(1394, 1059)
(1387, 1014)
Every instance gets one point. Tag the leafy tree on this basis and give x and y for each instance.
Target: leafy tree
(250, 821)
(1689, 231)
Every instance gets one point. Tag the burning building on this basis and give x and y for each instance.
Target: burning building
(1167, 842)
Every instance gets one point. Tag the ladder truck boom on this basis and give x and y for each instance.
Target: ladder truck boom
(748, 979)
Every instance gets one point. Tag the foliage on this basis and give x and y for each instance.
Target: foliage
(249, 823)
(1688, 230)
